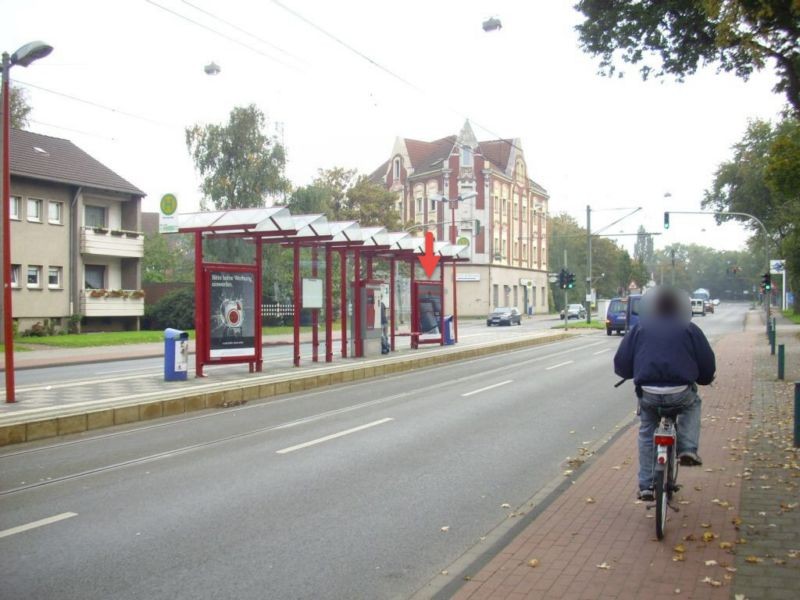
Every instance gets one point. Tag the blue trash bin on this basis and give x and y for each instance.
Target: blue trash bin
(449, 338)
(176, 355)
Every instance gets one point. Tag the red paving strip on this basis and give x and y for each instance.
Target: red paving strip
(572, 536)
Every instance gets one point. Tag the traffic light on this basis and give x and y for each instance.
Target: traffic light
(562, 279)
(766, 282)
(666, 220)
(570, 280)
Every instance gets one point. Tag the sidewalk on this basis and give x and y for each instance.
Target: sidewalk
(738, 529)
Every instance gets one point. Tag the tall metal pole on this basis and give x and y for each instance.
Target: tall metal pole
(566, 315)
(8, 331)
(588, 264)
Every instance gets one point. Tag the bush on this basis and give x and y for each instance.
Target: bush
(175, 310)
(74, 323)
(36, 330)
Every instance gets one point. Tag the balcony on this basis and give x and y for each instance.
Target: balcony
(112, 242)
(112, 303)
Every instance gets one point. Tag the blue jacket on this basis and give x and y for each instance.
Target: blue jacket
(665, 352)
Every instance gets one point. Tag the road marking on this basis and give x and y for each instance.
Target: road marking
(35, 524)
(569, 362)
(488, 387)
(600, 351)
(333, 436)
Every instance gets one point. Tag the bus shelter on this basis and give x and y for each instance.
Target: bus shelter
(228, 296)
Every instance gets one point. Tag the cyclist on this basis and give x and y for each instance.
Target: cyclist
(667, 356)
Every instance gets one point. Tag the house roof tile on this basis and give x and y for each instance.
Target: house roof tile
(55, 159)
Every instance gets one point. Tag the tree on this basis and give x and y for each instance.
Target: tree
(675, 37)
(312, 199)
(643, 249)
(168, 258)
(337, 181)
(20, 108)
(241, 165)
(372, 204)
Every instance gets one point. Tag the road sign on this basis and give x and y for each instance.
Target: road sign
(168, 215)
(777, 266)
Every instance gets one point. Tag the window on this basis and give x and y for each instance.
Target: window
(15, 276)
(34, 210)
(55, 211)
(466, 156)
(94, 216)
(433, 205)
(54, 277)
(14, 207)
(94, 277)
(419, 206)
(495, 294)
(34, 276)
(396, 169)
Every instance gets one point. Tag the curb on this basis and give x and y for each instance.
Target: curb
(53, 422)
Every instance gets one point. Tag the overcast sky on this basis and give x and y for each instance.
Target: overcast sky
(609, 143)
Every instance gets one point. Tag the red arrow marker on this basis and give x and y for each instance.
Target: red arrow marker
(429, 260)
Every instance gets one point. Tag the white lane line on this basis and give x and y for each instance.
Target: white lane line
(35, 524)
(600, 351)
(333, 436)
(569, 362)
(488, 387)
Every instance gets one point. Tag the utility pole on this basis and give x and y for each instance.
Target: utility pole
(588, 264)
(566, 316)
(672, 252)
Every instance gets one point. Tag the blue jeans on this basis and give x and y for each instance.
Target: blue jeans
(688, 428)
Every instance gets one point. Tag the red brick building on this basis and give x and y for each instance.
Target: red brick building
(503, 220)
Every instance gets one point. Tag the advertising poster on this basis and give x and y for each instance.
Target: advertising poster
(429, 307)
(232, 315)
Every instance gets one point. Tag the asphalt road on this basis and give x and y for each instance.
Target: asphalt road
(357, 491)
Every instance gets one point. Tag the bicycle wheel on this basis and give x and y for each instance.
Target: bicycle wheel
(661, 502)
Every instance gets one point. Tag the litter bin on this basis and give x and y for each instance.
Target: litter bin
(176, 355)
(449, 338)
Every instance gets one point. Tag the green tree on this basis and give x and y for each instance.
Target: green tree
(372, 204)
(168, 258)
(312, 199)
(338, 181)
(20, 108)
(240, 164)
(675, 37)
(643, 249)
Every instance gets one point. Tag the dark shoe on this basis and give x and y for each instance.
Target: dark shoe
(646, 495)
(690, 459)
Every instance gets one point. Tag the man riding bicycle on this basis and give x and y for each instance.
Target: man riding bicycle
(667, 356)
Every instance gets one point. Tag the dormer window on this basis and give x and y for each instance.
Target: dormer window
(466, 156)
(396, 175)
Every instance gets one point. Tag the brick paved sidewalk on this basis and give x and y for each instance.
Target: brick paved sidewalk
(596, 541)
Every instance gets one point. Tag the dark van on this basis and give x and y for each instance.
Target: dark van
(634, 301)
(617, 316)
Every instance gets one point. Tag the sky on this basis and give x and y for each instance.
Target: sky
(126, 77)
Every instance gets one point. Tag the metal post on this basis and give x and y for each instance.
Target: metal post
(797, 414)
(414, 308)
(588, 263)
(772, 342)
(441, 301)
(297, 300)
(314, 311)
(392, 294)
(328, 305)
(455, 305)
(566, 316)
(8, 315)
(343, 294)
(259, 300)
(781, 360)
(199, 306)
(357, 333)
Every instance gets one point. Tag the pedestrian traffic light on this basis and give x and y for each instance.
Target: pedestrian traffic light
(766, 281)
(562, 279)
(666, 220)
(570, 280)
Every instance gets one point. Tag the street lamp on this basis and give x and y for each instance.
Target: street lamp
(453, 203)
(23, 57)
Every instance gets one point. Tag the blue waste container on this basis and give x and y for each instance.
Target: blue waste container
(449, 338)
(176, 355)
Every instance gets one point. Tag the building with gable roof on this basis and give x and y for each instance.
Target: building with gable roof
(76, 240)
(505, 224)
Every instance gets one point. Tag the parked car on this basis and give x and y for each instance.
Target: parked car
(616, 317)
(698, 307)
(504, 315)
(575, 311)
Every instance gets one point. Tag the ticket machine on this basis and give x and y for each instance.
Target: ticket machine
(367, 332)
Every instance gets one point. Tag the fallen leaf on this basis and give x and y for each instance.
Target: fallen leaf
(711, 563)
(711, 582)
(753, 559)
(677, 590)
(709, 536)
(534, 562)
(605, 566)
(739, 597)
(725, 545)
(705, 525)
(680, 549)
(779, 561)
(572, 431)
(689, 538)
(446, 528)
(678, 558)
(684, 502)
(568, 472)
(730, 569)
(505, 505)
(445, 572)
(590, 500)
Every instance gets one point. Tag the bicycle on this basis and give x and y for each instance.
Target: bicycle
(665, 459)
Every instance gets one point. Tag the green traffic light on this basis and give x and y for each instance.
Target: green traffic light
(666, 220)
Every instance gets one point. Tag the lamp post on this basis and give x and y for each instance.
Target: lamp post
(23, 57)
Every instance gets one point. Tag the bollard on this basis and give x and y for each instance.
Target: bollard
(769, 330)
(781, 357)
(772, 342)
(797, 414)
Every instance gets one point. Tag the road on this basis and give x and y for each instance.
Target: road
(357, 491)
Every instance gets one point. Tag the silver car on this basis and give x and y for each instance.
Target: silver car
(575, 311)
(504, 315)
